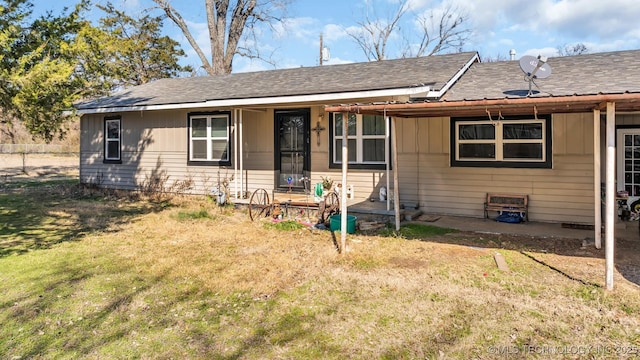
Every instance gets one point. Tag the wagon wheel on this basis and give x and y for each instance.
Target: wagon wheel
(330, 206)
(259, 205)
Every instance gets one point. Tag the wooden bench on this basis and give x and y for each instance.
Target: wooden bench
(507, 202)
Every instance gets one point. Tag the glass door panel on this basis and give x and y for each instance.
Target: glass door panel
(292, 148)
(628, 178)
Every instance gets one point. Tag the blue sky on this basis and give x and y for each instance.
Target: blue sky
(529, 27)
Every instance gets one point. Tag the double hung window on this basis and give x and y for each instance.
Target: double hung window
(112, 139)
(210, 138)
(366, 139)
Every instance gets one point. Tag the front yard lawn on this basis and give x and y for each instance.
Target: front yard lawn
(89, 274)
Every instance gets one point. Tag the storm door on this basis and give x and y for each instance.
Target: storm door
(628, 148)
(292, 148)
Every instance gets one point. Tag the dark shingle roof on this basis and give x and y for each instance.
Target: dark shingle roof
(590, 74)
(390, 74)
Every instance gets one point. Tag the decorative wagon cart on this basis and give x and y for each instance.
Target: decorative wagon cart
(260, 206)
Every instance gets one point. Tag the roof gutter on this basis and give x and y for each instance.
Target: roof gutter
(263, 101)
(573, 99)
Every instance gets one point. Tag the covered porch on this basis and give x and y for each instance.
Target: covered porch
(604, 108)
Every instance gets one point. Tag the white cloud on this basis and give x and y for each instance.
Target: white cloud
(130, 7)
(542, 25)
(572, 18)
(593, 19)
(547, 51)
(241, 65)
(613, 45)
(300, 28)
(333, 32)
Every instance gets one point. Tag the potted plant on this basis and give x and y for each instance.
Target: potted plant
(327, 184)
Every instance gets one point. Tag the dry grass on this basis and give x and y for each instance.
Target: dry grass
(187, 279)
(225, 252)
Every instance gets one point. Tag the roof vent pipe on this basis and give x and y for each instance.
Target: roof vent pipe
(512, 53)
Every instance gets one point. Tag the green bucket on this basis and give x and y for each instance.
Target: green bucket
(335, 223)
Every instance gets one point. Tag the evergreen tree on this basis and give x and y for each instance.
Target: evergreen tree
(50, 62)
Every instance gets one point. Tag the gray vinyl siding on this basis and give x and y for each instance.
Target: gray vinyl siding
(155, 143)
(155, 146)
(561, 194)
(628, 119)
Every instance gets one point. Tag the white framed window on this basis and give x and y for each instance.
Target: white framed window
(628, 157)
(509, 142)
(112, 139)
(210, 138)
(366, 136)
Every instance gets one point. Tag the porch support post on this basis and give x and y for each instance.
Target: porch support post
(611, 194)
(597, 191)
(345, 169)
(235, 153)
(242, 185)
(387, 140)
(396, 188)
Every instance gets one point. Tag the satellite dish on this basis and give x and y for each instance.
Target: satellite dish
(534, 68)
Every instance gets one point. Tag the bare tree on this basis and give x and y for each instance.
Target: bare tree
(439, 31)
(373, 34)
(573, 49)
(227, 26)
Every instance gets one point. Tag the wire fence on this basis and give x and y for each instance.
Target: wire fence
(37, 149)
(21, 165)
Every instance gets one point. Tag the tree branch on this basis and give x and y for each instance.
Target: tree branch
(450, 32)
(179, 21)
(373, 35)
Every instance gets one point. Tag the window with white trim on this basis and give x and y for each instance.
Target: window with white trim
(366, 136)
(112, 139)
(210, 138)
(508, 142)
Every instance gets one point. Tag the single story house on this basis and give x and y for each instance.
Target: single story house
(463, 128)
(264, 129)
